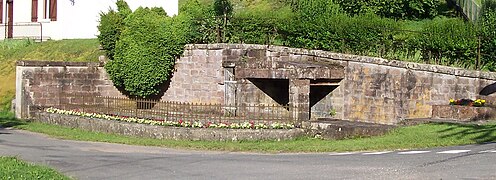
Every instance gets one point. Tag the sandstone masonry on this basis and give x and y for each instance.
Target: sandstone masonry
(367, 89)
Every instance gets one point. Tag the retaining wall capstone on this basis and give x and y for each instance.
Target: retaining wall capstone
(162, 132)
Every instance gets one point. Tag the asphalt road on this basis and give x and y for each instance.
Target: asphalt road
(88, 160)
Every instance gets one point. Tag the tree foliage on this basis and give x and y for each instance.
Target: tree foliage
(487, 25)
(145, 52)
(111, 26)
(144, 44)
(398, 9)
(202, 18)
(321, 24)
(451, 40)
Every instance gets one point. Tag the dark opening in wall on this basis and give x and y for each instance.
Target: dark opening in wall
(318, 93)
(277, 89)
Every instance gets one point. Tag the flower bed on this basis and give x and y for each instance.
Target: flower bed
(462, 113)
(180, 123)
(468, 102)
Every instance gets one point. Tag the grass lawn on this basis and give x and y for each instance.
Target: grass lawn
(63, 50)
(13, 168)
(421, 136)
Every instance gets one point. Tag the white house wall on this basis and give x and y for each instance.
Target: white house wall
(74, 21)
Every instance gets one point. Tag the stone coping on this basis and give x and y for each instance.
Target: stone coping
(353, 58)
(41, 63)
(164, 132)
(298, 51)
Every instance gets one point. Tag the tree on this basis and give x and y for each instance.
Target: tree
(111, 26)
(145, 52)
(224, 9)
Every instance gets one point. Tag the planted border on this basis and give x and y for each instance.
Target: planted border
(179, 123)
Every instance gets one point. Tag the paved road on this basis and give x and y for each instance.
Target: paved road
(86, 160)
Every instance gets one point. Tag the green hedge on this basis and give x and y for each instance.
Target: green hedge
(487, 25)
(258, 25)
(398, 9)
(202, 18)
(145, 52)
(449, 42)
(111, 26)
(322, 25)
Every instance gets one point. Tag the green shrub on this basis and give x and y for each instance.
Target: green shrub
(145, 52)
(320, 24)
(258, 24)
(315, 25)
(487, 25)
(110, 27)
(449, 42)
(123, 8)
(203, 22)
(398, 9)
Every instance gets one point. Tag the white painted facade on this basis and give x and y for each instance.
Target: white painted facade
(76, 19)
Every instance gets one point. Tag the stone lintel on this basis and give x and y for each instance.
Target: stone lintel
(309, 73)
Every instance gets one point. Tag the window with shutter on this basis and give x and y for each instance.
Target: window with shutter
(1, 11)
(53, 10)
(34, 11)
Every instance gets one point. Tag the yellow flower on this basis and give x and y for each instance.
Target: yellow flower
(483, 101)
(452, 100)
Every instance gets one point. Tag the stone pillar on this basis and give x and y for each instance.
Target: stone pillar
(299, 96)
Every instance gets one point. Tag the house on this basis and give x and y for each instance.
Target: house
(62, 19)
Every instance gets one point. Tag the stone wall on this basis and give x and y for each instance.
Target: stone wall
(384, 91)
(198, 77)
(42, 83)
(372, 90)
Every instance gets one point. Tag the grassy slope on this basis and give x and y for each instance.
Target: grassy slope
(13, 168)
(64, 50)
(422, 136)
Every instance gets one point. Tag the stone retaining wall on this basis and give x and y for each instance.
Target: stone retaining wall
(162, 132)
(47, 83)
(373, 89)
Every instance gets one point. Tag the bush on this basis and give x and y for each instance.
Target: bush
(110, 27)
(322, 25)
(203, 22)
(315, 25)
(145, 52)
(449, 42)
(398, 9)
(487, 25)
(257, 25)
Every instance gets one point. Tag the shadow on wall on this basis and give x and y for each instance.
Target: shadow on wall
(149, 105)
